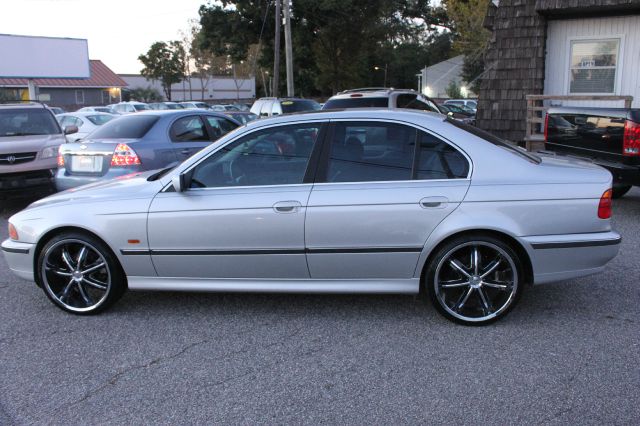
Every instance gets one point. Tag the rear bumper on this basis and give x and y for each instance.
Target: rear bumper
(64, 180)
(563, 257)
(19, 256)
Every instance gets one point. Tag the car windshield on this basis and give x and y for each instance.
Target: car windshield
(502, 143)
(127, 127)
(27, 121)
(357, 103)
(289, 106)
(100, 119)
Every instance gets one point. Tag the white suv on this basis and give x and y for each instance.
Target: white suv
(130, 107)
(380, 97)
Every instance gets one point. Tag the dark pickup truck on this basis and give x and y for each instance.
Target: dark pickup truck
(609, 137)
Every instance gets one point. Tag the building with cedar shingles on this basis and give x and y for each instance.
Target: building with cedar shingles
(557, 47)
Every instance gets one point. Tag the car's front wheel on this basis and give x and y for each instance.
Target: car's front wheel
(474, 280)
(79, 273)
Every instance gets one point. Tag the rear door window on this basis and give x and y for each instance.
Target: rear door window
(370, 151)
(439, 160)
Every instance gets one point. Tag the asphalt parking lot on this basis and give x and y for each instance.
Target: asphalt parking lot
(569, 353)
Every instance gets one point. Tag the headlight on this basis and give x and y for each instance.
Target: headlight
(50, 151)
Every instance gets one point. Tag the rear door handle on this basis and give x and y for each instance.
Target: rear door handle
(434, 202)
(287, 206)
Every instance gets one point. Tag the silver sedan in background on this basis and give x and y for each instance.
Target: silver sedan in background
(355, 201)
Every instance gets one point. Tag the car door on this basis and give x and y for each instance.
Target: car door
(242, 215)
(188, 135)
(377, 197)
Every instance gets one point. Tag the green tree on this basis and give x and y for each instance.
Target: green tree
(145, 94)
(453, 90)
(336, 42)
(164, 62)
(471, 38)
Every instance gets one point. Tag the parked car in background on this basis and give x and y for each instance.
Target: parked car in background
(165, 105)
(241, 116)
(195, 105)
(376, 201)
(267, 107)
(107, 109)
(381, 97)
(57, 110)
(609, 137)
(130, 107)
(457, 113)
(217, 107)
(29, 141)
(472, 104)
(86, 122)
(145, 141)
(460, 109)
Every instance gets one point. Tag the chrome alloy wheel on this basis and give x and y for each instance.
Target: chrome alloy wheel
(76, 275)
(476, 281)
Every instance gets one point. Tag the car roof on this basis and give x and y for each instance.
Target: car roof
(85, 113)
(18, 104)
(179, 112)
(409, 115)
(371, 93)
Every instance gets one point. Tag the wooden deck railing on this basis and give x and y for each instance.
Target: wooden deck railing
(536, 112)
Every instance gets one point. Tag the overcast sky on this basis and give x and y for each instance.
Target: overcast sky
(117, 30)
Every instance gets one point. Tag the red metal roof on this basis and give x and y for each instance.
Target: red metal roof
(101, 76)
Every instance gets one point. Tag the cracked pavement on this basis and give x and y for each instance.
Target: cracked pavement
(569, 353)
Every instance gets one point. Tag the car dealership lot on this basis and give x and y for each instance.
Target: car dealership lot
(567, 353)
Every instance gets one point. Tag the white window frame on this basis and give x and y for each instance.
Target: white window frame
(78, 100)
(619, 63)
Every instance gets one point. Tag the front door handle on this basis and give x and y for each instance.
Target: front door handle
(185, 152)
(287, 206)
(434, 202)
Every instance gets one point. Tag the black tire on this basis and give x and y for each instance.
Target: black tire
(474, 296)
(79, 273)
(618, 191)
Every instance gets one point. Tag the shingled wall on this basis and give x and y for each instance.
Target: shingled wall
(515, 58)
(514, 68)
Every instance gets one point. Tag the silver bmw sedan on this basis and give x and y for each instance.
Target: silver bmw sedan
(357, 201)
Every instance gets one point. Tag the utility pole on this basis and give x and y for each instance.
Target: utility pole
(288, 48)
(276, 48)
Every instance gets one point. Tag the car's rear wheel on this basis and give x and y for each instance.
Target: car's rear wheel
(474, 280)
(80, 274)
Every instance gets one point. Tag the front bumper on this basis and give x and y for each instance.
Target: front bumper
(17, 182)
(19, 256)
(563, 257)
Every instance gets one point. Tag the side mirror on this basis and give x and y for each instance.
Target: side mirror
(181, 182)
(69, 130)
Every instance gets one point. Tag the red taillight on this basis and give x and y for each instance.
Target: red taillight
(60, 157)
(604, 208)
(124, 156)
(356, 95)
(13, 233)
(631, 143)
(546, 127)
